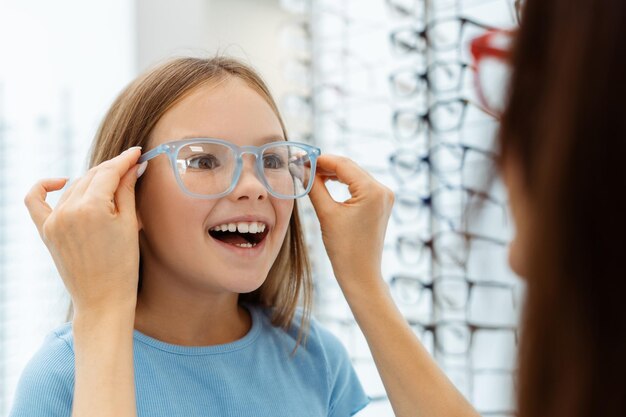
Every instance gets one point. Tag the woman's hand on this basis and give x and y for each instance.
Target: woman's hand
(353, 231)
(92, 233)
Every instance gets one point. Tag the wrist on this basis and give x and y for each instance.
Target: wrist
(362, 285)
(121, 317)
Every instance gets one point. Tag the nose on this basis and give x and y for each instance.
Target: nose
(249, 186)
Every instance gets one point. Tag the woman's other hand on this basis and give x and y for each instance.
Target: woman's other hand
(92, 233)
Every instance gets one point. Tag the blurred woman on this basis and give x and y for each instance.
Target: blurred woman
(563, 144)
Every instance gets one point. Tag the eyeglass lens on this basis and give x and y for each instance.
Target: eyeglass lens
(209, 168)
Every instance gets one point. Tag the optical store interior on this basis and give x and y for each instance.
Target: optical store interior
(392, 85)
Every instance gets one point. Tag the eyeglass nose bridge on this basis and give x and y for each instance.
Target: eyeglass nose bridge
(257, 152)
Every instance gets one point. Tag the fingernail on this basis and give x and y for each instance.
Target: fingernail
(132, 149)
(142, 168)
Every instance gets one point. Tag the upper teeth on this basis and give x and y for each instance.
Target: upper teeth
(241, 227)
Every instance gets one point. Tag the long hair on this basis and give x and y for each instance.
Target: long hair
(130, 121)
(565, 125)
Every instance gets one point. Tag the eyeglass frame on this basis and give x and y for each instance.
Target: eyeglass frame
(424, 34)
(427, 201)
(425, 76)
(467, 326)
(172, 148)
(434, 286)
(400, 9)
(482, 47)
(430, 242)
(518, 5)
(425, 158)
(424, 118)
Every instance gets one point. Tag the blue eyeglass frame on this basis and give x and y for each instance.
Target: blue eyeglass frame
(172, 148)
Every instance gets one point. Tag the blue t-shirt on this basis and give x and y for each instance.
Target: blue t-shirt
(253, 376)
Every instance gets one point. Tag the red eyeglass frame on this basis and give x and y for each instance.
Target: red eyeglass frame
(484, 47)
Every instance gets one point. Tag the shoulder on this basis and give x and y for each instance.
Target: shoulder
(325, 359)
(334, 352)
(54, 358)
(316, 339)
(46, 384)
(347, 396)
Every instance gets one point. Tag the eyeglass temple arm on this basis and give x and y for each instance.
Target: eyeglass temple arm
(479, 24)
(163, 148)
(313, 154)
(482, 108)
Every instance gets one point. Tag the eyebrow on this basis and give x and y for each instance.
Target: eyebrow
(262, 141)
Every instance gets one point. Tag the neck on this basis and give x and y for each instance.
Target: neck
(180, 314)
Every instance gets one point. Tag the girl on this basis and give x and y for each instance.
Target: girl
(185, 282)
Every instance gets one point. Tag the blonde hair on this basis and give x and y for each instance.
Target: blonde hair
(130, 121)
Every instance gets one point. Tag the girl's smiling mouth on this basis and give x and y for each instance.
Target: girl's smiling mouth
(241, 234)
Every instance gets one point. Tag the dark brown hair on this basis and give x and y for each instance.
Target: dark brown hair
(129, 122)
(565, 126)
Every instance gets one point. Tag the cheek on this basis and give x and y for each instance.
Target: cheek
(518, 256)
(167, 213)
(520, 210)
(283, 210)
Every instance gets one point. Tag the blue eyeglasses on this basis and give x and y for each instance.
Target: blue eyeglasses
(210, 168)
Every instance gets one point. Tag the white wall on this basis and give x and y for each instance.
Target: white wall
(246, 29)
(61, 64)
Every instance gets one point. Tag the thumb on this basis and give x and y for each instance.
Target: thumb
(320, 196)
(35, 200)
(125, 193)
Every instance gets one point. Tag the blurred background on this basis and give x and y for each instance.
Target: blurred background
(388, 83)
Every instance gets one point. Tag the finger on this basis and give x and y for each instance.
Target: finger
(324, 172)
(332, 176)
(108, 174)
(82, 184)
(320, 196)
(326, 175)
(343, 170)
(125, 194)
(35, 200)
(77, 186)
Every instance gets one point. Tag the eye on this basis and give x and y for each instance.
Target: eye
(206, 161)
(273, 161)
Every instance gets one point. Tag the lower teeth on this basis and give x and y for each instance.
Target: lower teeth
(245, 245)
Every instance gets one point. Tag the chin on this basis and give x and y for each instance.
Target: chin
(244, 284)
(245, 289)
